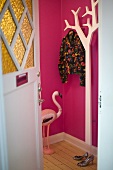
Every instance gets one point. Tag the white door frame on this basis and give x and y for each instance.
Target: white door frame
(37, 52)
(105, 113)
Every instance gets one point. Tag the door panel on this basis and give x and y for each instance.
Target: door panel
(20, 59)
(21, 133)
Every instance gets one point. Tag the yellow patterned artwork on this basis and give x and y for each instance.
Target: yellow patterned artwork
(19, 49)
(7, 62)
(8, 26)
(16, 35)
(2, 3)
(26, 29)
(18, 8)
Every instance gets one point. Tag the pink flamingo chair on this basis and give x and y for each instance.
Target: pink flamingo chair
(48, 116)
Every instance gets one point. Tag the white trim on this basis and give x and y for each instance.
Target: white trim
(3, 144)
(74, 141)
(56, 138)
(36, 61)
(80, 144)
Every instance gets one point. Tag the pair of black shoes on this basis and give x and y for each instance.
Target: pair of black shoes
(85, 159)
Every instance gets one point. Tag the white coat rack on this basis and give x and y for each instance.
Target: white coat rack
(86, 40)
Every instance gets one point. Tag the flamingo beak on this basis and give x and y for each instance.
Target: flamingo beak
(60, 95)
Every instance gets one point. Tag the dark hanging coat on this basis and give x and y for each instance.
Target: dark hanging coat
(72, 57)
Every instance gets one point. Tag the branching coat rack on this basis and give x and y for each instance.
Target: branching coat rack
(86, 40)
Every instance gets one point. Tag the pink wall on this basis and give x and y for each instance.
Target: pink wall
(50, 39)
(72, 121)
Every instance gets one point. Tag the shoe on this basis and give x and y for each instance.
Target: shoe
(78, 158)
(87, 161)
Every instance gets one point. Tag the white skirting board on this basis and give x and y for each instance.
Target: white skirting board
(74, 141)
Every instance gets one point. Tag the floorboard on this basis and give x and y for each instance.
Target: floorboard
(62, 159)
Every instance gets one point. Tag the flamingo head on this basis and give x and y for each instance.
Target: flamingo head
(57, 93)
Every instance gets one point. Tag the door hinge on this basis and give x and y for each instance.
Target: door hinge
(100, 100)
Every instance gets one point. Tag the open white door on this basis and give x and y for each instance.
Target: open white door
(105, 116)
(19, 43)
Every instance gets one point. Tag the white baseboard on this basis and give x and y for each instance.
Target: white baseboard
(80, 144)
(74, 141)
(57, 138)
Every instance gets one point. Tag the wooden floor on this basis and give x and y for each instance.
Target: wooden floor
(63, 158)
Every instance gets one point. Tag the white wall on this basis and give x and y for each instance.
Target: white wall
(105, 116)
